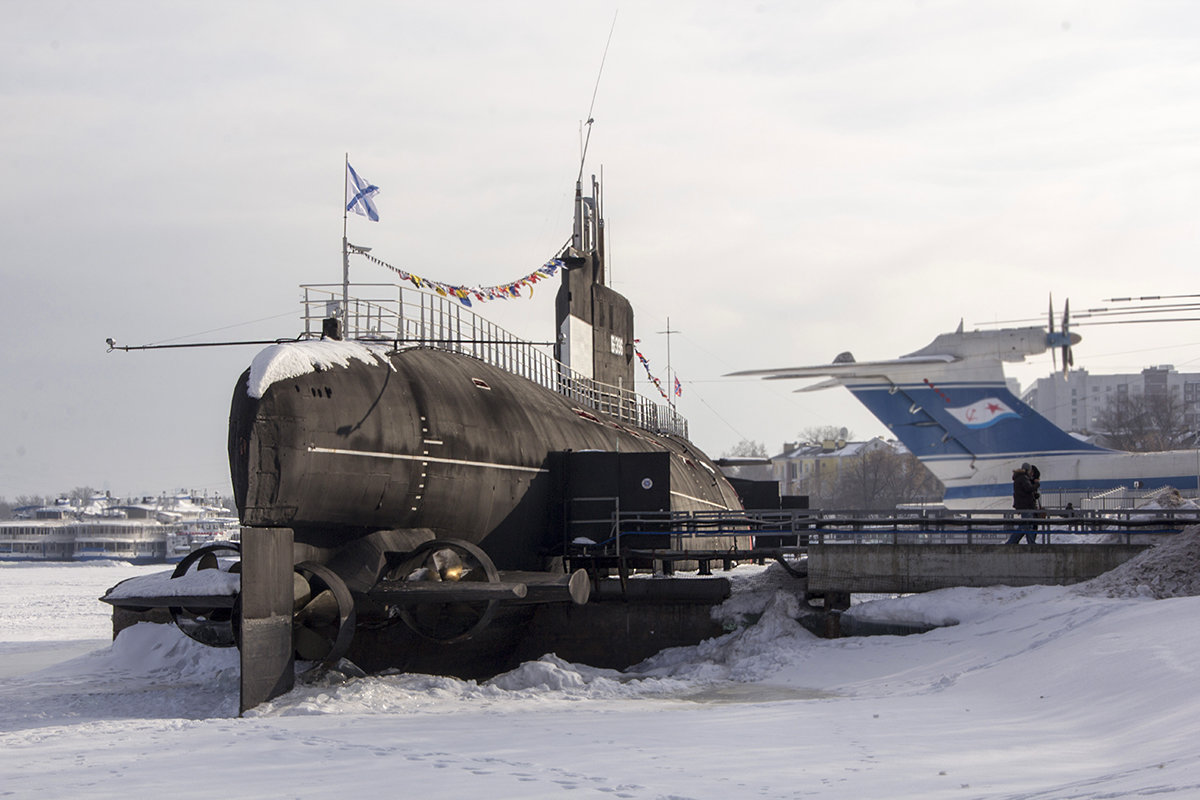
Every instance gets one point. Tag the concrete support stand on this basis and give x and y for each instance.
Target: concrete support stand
(266, 619)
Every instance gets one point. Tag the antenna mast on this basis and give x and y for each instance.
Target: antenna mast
(670, 375)
(595, 90)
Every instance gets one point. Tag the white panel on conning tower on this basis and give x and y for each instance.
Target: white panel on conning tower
(578, 352)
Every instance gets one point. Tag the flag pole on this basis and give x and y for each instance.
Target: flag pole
(345, 254)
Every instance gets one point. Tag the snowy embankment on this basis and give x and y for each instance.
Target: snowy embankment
(1047, 692)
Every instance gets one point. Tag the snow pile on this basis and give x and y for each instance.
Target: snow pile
(752, 590)
(1170, 568)
(293, 359)
(162, 652)
(1168, 499)
(149, 672)
(548, 682)
(551, 673)
(773, 642)
(941, 608)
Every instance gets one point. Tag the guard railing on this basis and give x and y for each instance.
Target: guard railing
(391, 314)
(793, 529)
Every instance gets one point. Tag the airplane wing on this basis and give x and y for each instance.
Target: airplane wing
(828, 383)
(841, 369)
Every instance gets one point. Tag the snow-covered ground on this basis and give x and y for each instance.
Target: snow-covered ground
(1043, 692)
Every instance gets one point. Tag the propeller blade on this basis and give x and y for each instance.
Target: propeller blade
(321, 610)
(207, 561)
(310, 645)
(1068, 356)
(301, 592)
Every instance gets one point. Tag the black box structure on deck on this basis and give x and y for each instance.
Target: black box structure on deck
(756, 494)
(594, 484)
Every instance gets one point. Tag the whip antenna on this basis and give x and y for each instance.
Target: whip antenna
(588, 138)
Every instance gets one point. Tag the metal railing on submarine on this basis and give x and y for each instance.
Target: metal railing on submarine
(386, 313)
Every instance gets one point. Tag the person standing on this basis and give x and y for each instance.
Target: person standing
(1026, 482)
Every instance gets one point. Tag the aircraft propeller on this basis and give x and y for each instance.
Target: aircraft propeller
(1063, 339)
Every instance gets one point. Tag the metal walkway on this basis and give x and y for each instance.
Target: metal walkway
(839, 553)
(795, 529)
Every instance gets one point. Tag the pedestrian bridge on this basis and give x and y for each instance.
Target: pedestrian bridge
(841, 553)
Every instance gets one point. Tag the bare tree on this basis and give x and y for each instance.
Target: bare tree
(918, 484)
(821, 487)
(864, 481)
(821, 433)
(1143, 422)
(746, 448)
(80, 495)
(31, 500)
(881, 479)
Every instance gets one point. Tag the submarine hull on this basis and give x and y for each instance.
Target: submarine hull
(427, 439)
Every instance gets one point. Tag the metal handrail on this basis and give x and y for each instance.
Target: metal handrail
(408, 318)
(825, 526)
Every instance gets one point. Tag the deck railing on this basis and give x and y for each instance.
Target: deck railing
(392, 314)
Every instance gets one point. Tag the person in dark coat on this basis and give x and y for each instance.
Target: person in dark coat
(1026, 483)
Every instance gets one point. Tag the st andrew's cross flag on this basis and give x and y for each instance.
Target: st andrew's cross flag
(359, 193)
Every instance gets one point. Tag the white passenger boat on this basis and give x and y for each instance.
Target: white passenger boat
(137, 541)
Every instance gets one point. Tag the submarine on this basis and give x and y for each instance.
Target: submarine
(407, 461)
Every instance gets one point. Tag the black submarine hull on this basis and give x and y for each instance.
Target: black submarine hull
(431, 440)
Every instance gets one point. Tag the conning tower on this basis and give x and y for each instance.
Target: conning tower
(594, 322)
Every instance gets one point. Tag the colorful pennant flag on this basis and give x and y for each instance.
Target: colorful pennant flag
(481, 293)
(657, 383)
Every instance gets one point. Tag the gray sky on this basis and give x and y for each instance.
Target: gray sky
(785, 181)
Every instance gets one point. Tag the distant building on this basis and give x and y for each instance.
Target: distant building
(806, 468)
(1074, 403)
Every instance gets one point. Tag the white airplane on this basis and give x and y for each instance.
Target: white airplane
(949, 404)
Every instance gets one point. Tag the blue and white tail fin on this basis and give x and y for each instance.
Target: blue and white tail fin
(939, 417)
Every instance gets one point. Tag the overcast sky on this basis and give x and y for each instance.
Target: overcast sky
(784, 181)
